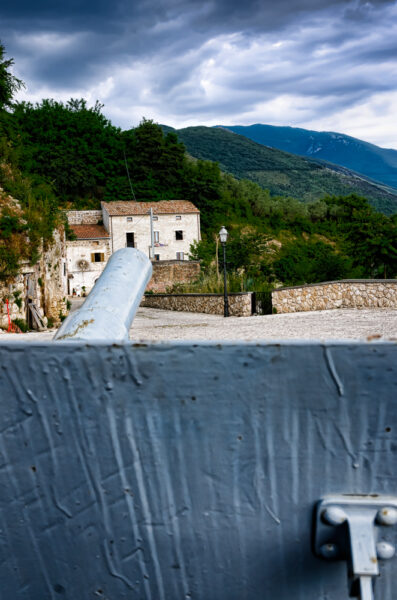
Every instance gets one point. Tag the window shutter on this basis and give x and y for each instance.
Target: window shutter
(102, 257)
(93, 257)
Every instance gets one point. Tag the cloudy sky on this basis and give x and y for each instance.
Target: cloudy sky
(310, 63)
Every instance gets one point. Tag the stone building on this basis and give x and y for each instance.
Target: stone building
(176, 225)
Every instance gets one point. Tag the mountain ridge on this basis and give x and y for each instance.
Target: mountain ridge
(283, 173)
(376, 163)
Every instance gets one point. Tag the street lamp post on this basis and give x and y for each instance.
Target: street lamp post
(223, 234)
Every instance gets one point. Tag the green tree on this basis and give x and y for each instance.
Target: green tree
(202, 186)
(9, 84)
(310, 261)
(370, 238)
(71, 145)
(247, 252)
(155, 162)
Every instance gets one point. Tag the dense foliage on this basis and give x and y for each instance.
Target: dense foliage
(294, 243)
(89, 160)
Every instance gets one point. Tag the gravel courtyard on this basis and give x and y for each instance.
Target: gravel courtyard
(154, 325)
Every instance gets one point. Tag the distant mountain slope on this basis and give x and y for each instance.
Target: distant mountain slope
(367, 159)
(282, 173)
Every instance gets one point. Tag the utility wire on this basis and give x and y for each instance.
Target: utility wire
(128, 174)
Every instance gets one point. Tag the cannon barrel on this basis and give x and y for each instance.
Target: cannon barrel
(110, 308)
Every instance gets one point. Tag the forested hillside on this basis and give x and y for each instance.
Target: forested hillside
(379, 164)
(280, 172)
(68, 155)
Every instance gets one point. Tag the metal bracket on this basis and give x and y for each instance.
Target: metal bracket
(347, 528)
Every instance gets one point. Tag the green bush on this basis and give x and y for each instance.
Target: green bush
(211, 283)
(18, 299)
(21, 323)
(310, 261)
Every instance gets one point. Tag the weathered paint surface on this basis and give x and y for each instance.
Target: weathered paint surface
(172, 472)
(110, 308)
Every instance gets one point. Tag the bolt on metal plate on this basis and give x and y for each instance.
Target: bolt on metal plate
(354, 528)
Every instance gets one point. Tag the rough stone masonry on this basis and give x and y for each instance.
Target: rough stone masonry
(355, 293)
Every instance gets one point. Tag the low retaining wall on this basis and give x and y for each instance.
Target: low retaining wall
(168, 272)
(239, 304)
(354, 293)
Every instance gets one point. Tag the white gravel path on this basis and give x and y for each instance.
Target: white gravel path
(157, 325)
(154, 325)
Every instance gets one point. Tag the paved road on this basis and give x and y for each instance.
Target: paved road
(159, 325)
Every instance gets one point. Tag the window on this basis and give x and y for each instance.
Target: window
(129, 219)
(157, 257)
(130, 240)
(178, 217)
(179, 235)
(97, 257)
(155, 218)
(156, 236)
(179, 256)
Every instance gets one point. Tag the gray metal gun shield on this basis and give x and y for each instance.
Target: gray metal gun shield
(171, 472)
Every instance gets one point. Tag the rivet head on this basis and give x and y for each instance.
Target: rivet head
(334, 515)
(387, 516)
(329, 550)
(384, 550)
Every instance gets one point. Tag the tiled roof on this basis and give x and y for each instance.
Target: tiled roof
(89, 232)
(163, 207)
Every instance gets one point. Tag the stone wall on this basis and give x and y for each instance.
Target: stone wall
(354, 293)
(15, 293)
(84, 217)
(44, 282)
(168, 272)
(54, 278)
(239, 304)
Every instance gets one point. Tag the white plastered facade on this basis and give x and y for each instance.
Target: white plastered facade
(167, 246)
(81, 280)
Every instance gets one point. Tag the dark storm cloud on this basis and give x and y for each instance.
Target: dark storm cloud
(211, 59)
(220, 15)
(142, 28)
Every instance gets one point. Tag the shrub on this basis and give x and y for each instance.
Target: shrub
(21, 323)
(18, 299)
(309, 261)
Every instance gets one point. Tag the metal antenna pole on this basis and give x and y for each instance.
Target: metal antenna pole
(152, 233)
